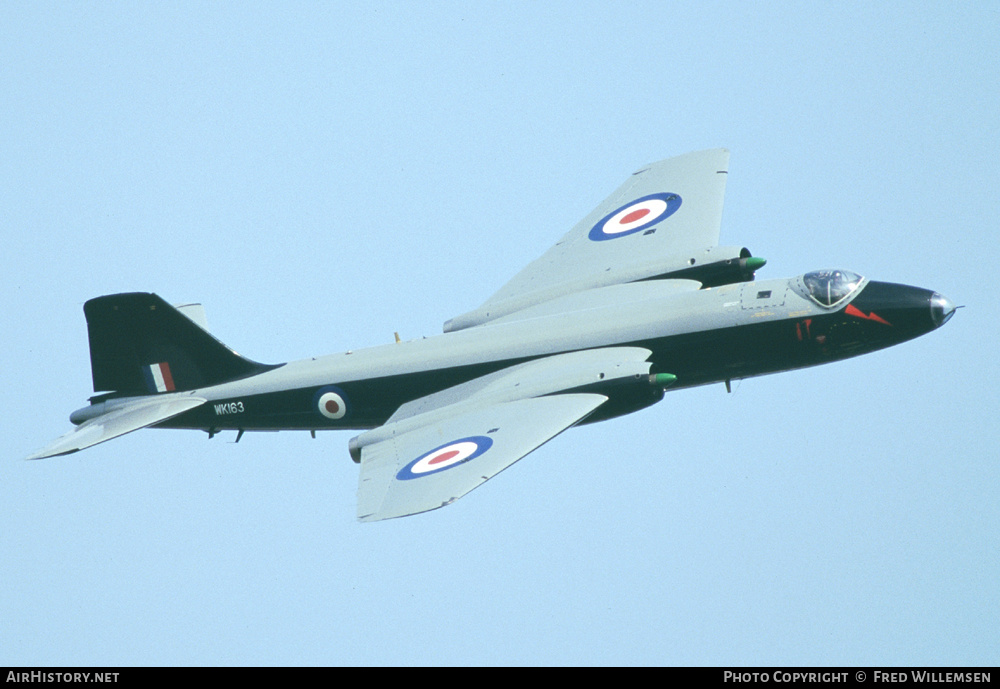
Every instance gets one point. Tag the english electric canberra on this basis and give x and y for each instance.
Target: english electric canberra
(636, 299)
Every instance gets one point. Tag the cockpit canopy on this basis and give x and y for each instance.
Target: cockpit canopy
(830, 287)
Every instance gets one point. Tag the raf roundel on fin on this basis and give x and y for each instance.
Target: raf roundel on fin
(636, 216)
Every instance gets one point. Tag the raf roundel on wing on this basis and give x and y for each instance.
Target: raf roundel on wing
(636, 216)
(445, 457)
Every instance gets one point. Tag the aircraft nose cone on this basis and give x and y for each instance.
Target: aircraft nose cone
(942, 309)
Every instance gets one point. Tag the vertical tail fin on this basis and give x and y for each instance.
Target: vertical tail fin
(140, 345)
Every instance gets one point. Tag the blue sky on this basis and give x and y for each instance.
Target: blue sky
(322, 175)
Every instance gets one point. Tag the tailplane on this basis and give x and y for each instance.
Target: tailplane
(141, 345)
(145, 355)
(117, 417)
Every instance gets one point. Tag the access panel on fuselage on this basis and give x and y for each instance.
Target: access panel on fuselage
(763, 295)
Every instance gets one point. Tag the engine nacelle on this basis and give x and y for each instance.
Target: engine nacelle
(716, 273)
(627, 395)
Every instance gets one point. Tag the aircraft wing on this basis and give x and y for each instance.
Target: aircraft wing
(127, 416)
(665, 218)
(435, 465)
(436, 449)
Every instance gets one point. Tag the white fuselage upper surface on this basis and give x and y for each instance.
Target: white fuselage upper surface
(651, 317)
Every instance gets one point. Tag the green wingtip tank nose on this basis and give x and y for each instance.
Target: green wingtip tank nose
(662, 380)
(755, 263)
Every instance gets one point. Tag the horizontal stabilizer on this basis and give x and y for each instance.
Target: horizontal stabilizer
(126, 416)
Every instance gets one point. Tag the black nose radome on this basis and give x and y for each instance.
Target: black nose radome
(942, 309)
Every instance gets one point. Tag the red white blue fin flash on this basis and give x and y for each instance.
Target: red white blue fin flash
(158, 377)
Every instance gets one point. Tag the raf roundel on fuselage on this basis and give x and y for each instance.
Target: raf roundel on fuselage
(329, 401)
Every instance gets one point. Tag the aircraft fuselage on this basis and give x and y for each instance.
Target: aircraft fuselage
(701, 336)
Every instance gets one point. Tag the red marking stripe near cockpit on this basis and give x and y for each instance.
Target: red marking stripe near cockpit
(851, 310)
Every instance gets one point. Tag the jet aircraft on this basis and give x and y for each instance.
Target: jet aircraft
(638, 298)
